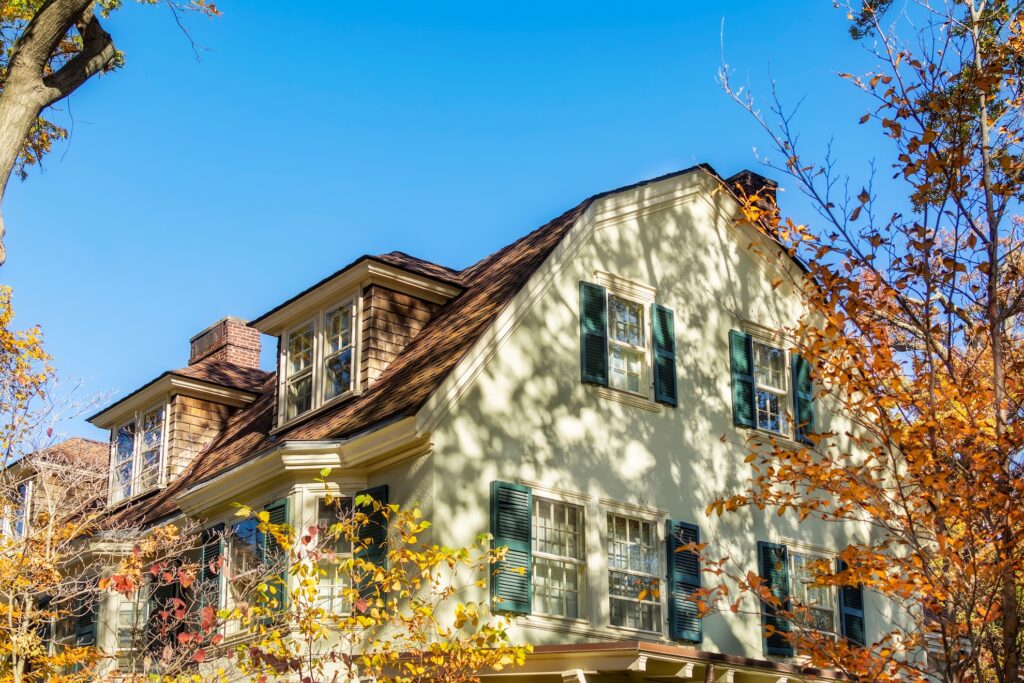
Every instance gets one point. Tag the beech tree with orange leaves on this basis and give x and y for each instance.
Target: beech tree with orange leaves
(915, 331)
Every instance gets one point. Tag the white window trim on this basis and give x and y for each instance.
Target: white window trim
(318, 365)
(7, 521)
(645, 296)
(657, 520)
(161, 478)
(794, 547)
(316, 520)
(583, 594)
(782, 341)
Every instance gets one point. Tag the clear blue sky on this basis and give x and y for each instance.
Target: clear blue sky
(312, 133)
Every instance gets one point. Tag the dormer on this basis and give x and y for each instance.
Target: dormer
(158, 429)
(337, 337)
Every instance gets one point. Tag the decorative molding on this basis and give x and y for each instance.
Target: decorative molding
(632, 508)
(686, 671)
(560, 494)
(574, 676)
(162, 388)
(627, 398)
(727, 677)
(628, 288)
(640, 664)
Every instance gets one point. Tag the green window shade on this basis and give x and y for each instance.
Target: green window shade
(683, 582)
(593, 334)
(210, 576)
(665, 387)
(162, 625)
(85, 620)
(274, 554)
(851, 612)
(773, 560)
(511, 526)
(803, 398)
(741, 357)
(375, 536)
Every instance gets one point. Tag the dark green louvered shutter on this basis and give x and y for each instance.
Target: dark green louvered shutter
(683, 582)
(741, 358)
(212, 539)
(665, 387)
(85, 620)
(593, 334)
(373, 536)
(773, 560)
(803, 398)
(851, 611)
(273, 553)
(511, 526)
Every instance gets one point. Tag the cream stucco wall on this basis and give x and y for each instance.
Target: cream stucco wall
(517, 411)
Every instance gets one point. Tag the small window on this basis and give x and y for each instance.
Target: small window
(335, 549)
(138, 454)
(132, 616)
(559, 567)
(21, 509)
(318, 361)
(818, 601)
(627, 345)
(772, 390)
(634, 573)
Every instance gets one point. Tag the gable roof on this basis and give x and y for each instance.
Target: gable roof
(406, 384)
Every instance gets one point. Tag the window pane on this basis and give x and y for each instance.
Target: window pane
(150, 469)
(556, 587)
(300, 349)
(339, 329)
(625, 321)
(635, 601)
(557, 529)
(300, 395)
(339, 374)
(819, 600)
(769, 411)
(330, 515)
(770, 366)
(123, 483)
(125, 442)
(626, 368)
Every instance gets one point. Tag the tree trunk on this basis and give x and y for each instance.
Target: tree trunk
(19, 109)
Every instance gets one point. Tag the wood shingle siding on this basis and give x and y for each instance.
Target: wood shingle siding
(390, 321)
(194, 425)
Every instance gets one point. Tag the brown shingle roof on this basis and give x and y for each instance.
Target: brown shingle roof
(489, 285)
(225, 374)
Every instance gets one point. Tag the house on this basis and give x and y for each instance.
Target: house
(582, 394)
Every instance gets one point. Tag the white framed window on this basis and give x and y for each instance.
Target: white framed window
(819, 602)
(318, 360)
(335, 549)
(627, 345)
(138, 454)
(132, 618)
(771, 397)
(243, 567)
(634, 573)
(559, 558)
(16, 518)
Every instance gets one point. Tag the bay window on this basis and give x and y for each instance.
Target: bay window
(138, 454)
(319, 360)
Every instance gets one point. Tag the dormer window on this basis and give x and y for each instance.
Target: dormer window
(319, 360)
(138, 454)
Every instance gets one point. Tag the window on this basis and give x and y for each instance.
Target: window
(559, 568)
(818, 601)
(771, 393)
(319, 360)
(336, 549)
(627, 345)
(132, 616)
(244, 569)
(634, 573)
(138, 454)
(16, 517)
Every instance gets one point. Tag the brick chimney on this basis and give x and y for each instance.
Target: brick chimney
(748, 182)
(228, 340)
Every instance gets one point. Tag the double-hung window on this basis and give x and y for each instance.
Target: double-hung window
(817, 603)
(627, 345)
(634, 573)
(335, 550)
(559, 567)
(132, 618)
(138, 454)
(245, 567)
(15, 521)
(319, 360)
(771, 396)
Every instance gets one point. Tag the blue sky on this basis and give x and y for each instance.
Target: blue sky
(304, 138)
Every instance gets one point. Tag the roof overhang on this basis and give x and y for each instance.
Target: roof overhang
(636, 660)
(346, 281)
(169, 384)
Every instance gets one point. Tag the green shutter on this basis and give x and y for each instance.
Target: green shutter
(375, 536)
(511, 526)
(665, 387)
(684, 620)
(741, 356)
(159, 628)
(212, 539)
(85, 619)
(773, 560)
(851, 611)
(273, 553)
(803, 398)
(593, 334)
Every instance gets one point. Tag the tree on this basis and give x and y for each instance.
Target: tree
(915, 293)
(396, 613)
(48, 49)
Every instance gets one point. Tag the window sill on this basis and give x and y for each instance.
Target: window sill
(122, 502)
(624, 397)
(638, 631)
(309, 415)
(764, 438)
